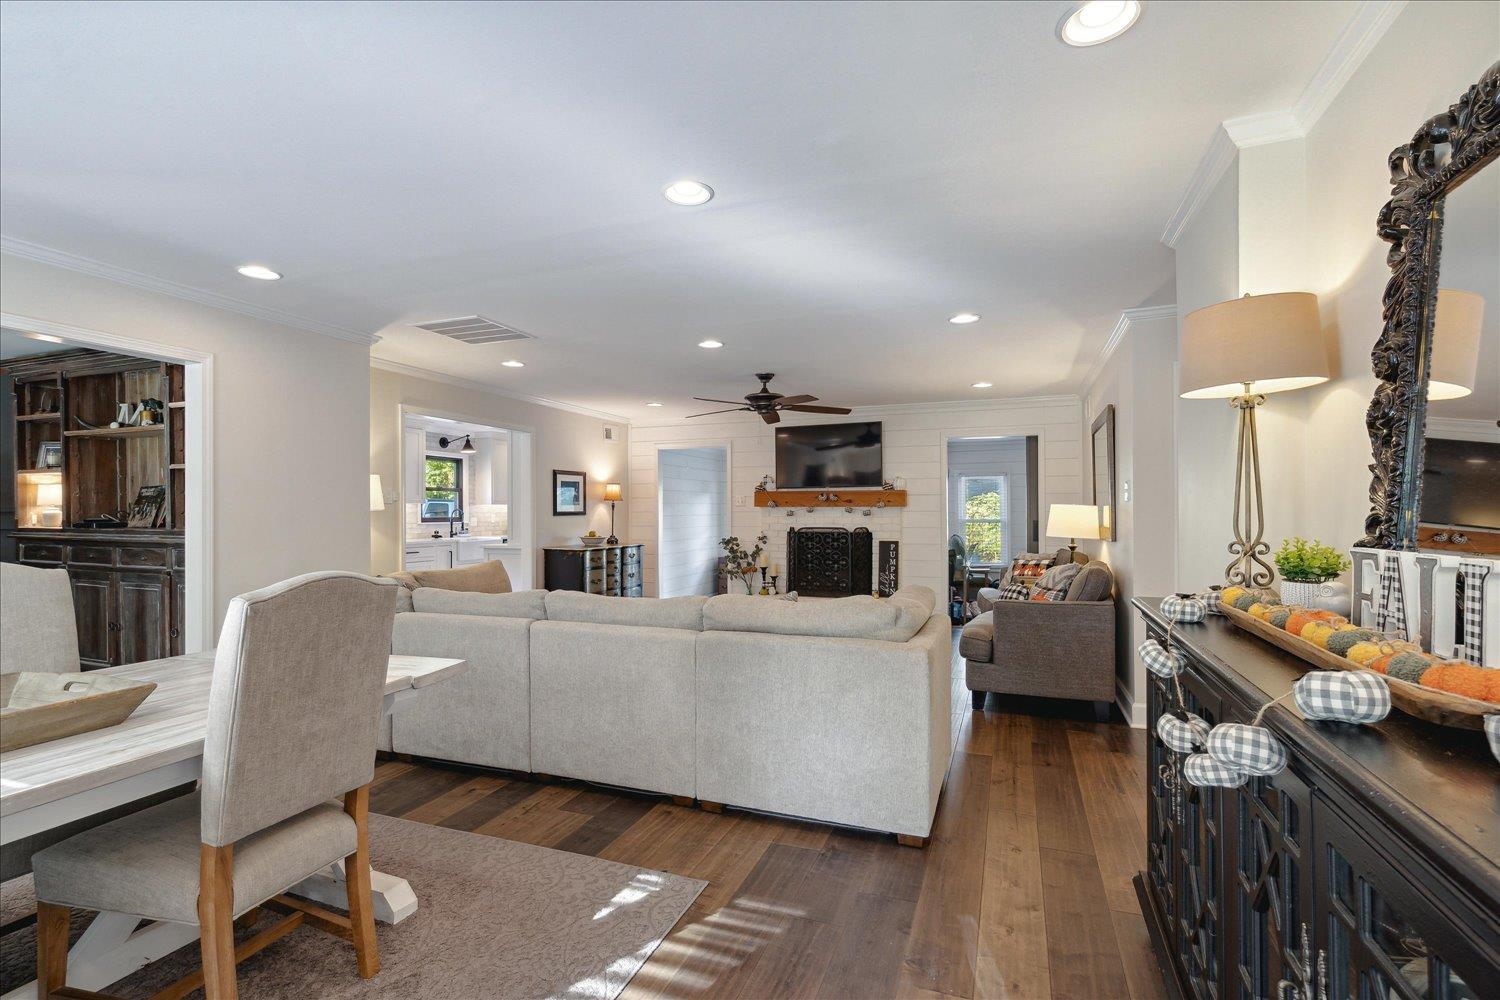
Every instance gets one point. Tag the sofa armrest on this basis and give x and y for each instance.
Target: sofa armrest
(1054, 635)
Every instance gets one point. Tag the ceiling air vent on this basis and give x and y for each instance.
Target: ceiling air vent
(474, 330)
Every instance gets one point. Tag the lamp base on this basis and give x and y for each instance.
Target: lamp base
(1249, 567)
(611, 540)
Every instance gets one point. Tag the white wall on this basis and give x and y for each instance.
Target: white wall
(562, 440)
(694, 516)
(1138, 380)
(290, 477)
(914, 449)
(991, 457)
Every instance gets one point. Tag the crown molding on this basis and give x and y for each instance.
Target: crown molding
(412, 371)
(1215, 160)
(1361, 33)
(136, 279)
(1459, 429)
(1128, 318)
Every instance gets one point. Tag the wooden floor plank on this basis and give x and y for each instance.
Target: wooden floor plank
(1142, 974)
(1118, 834)
(539, 820)
(604, 825)
(456, 799)
(479, 812)
(1012, 950)
(1083, 953)
(945, 928)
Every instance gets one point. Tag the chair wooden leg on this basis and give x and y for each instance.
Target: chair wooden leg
(51, 948)
(357, 880)
(216, 921)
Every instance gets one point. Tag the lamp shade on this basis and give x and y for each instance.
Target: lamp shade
(1072, 520)
(49, 494)
(1272, 342)
(611, 492)
(1455, 344)
(377, 494)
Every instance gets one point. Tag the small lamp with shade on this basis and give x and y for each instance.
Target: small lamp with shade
(612, 495)
(1073, 521)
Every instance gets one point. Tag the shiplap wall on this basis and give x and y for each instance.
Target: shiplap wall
(694, 512)
(914, 450)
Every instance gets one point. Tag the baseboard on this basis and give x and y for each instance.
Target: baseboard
(1134, 714)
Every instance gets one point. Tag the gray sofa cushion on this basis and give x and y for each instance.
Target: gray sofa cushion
(1094, 582)
(977, 641)
(657, 612)
(891, 620)
(521, 604)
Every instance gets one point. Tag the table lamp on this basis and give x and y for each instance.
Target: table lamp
(1455, 344)
(612, 494)
(1243, 350)
(377, 494)
(1073, 521)
(49, 500)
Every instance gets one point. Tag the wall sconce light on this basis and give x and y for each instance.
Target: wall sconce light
(467, 449)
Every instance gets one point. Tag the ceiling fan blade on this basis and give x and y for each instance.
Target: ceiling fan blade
(795, 400)
(770, 416)
(731, 402)
(712, 412)
(800, 408)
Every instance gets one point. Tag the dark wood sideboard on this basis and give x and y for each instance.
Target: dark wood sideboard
(1367, 870)
(613, 570)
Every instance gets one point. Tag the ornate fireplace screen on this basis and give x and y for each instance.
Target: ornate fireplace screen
(829, 562)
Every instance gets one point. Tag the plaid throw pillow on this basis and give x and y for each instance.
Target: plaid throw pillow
(1054, 584)
(1015, 591)
(1028, 569)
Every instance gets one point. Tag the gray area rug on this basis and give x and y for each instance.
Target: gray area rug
(497, 919)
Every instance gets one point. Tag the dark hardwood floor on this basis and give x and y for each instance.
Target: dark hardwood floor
(1024, 890)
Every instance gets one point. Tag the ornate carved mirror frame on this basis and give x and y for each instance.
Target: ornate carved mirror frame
(1412, 223)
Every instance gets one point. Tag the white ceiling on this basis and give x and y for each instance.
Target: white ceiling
(879, 166)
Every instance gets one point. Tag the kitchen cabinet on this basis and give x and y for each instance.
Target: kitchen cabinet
(414, 454)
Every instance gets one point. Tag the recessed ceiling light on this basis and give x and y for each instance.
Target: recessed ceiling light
(688, 193)
(964, 319)
(1098, 21)
(982, 385)
(259, 272)
(653, 404)
(514, 364)
(710, 344)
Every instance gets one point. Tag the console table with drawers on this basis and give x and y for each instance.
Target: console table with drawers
(612, 570)
(1368, 868)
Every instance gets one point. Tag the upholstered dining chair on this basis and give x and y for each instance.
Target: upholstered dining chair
(292, 711)
(38, 632)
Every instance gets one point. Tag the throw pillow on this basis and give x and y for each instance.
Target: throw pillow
(1054, 584)
(1028, 568)
(1015, 591)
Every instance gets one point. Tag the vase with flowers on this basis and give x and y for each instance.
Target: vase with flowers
(741, 563)
(1309, 573)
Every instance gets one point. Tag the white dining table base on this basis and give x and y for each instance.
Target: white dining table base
(115, 945)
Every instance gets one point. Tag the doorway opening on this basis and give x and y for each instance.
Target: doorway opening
(993, 511)
(693, 515)
(465, 494)
(105, 446)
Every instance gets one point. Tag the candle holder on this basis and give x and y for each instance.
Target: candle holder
(774, 591)
(764, 591)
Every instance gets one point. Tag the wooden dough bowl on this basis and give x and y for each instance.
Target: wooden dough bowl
(37, 707)
(1442, 707)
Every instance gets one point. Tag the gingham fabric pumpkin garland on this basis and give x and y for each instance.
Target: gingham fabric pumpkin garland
(1161, 661)
(1252, 749)
(1184, 735)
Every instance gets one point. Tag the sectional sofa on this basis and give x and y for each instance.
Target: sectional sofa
(832, 710)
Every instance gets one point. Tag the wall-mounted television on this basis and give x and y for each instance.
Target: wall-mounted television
(1461, 484)
(824, 456)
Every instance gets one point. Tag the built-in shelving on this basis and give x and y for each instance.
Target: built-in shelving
(108, 432)
(29, 417)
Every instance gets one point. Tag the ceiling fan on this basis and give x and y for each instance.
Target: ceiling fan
(770, 404)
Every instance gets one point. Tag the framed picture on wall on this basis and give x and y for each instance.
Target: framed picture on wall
(568, 491)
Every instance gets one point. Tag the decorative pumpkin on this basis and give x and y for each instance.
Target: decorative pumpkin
(1460, 678)
(1203, 771)
(1344, 640)
(1409, 666)
(1252, 749)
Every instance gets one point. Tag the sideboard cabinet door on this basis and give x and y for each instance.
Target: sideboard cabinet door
(144, 621)
(93, 608)
(1270, 885)
(1387, 929)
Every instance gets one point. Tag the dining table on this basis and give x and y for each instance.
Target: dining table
(159, 748)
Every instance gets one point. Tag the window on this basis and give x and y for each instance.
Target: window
(444, 494)
(984, 510)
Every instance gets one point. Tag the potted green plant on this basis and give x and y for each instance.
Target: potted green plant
(1309, 570)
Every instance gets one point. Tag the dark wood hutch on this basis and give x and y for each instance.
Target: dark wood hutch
(69, 467)
(1368, 868)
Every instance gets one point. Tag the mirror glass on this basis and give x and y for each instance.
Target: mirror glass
(1104, 472)
(1461, 476)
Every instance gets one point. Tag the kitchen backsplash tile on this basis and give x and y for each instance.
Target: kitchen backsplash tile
(481, 519)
